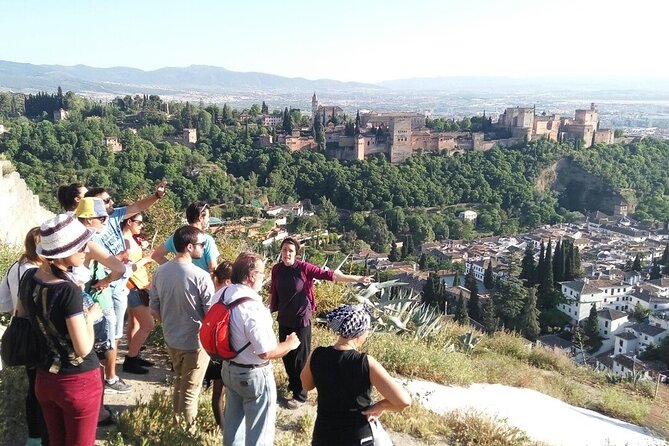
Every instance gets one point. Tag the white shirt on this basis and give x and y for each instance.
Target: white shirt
(249, 322)
(9, 287)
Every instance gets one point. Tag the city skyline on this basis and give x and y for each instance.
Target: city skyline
(363, 42)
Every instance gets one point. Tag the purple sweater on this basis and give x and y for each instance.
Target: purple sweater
(292, 292)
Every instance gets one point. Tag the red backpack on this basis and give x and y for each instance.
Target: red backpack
(215, 331)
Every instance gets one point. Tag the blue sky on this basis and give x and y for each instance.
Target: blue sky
(367, 41)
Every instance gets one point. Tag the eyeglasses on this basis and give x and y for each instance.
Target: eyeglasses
(101, 219)
(139, 222)
(107, 200)
(204, 208)
(201, 244)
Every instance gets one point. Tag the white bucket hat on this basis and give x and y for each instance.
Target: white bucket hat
(62, 236)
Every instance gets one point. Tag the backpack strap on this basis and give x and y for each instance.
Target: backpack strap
(232, 305)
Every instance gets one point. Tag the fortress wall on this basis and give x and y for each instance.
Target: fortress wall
(20, 209)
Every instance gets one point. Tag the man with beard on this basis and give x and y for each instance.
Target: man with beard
(197, 216)
(180, 296)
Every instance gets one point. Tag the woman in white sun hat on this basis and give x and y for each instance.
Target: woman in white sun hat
(68, 385)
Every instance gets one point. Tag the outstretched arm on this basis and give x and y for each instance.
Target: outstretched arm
(341, 277)
(146, 202)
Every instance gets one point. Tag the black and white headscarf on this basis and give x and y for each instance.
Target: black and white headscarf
(349, 321)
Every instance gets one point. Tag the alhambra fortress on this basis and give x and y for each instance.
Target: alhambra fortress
(400, 135)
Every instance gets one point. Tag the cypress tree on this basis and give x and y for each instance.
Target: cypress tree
(591, 330)
(568, 260)
(636, 265)
(394, 253)
(558, 263)
(456, 278)
(577, 262)
(655, 271)
(528, 266)
(664, 261)
(529, 319)
(473, 301)
(538, 272)
(488, 278)
(488, 318)
(461, 314)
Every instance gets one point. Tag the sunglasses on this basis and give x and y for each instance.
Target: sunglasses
(107, 200)
(201, 244)
(139, 222)
(204, 208)
(101, 219)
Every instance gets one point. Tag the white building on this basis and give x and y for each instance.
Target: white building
(582, 293)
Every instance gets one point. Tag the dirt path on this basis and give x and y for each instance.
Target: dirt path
(144, 386)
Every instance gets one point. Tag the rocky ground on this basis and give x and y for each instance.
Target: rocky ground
(144, 386)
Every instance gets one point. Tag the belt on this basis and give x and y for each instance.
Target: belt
(250, 366)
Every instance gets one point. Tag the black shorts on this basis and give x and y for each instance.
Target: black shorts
(213, 371)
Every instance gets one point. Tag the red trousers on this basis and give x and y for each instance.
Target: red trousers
(70, 404)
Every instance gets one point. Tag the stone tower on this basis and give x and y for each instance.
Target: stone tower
(314, 107)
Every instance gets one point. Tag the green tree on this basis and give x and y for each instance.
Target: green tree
(636, 265)
(655, 271)
(287, 122)
(456, 278)
(528, 267)
(489, 278)
(509, 299)
(529, 319)
(461, 313)
(591, 330)
(394, 255)
(558, 263)
(488, 318)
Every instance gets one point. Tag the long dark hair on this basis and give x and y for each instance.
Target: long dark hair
(67, 195)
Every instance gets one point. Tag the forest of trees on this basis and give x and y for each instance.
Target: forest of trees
(416, 201)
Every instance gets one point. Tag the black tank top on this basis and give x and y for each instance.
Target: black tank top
(344, 391)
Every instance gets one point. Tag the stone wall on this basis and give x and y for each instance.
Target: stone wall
(20, 209)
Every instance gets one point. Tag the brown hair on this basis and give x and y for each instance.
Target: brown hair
(30, 247)
(223, 272)
(243, 267)
(293, 241)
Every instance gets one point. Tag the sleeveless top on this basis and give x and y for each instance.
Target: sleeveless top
(344, 391)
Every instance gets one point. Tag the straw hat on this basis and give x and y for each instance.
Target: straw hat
(91, 207)
(62, 236)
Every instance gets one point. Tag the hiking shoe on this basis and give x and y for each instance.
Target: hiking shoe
(132, 365)
(119, 386)
(144, 362)
(293, 404)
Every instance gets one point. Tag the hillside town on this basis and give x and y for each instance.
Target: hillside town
(608, 246)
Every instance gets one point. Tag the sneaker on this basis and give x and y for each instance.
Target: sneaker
(119, 386)
(293, 404)
(132, 365)
(144, 362)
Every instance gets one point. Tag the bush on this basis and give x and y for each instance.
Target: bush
(13, 389)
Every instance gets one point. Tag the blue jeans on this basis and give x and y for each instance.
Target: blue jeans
(120, 299)
(250, 405)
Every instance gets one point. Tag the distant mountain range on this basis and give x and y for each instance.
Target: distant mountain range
(208, 81)
(188, 80)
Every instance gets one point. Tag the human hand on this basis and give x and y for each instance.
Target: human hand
(293, 341)
(366, 280)
(94, 313)
(373, 412)
(101, 284)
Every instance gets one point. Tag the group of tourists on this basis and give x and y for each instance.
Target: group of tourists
(84, 269)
